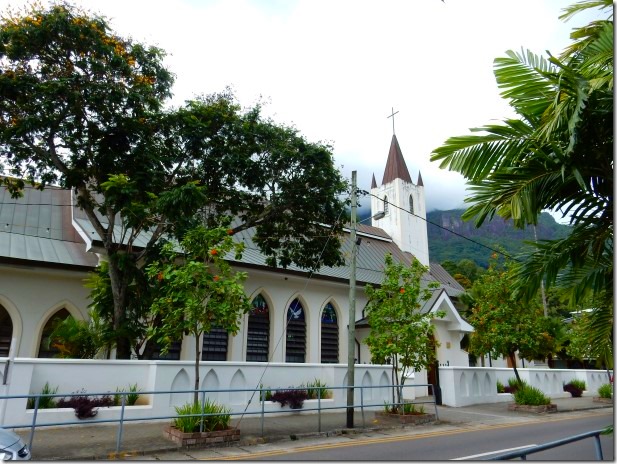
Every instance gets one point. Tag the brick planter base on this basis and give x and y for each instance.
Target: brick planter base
(409, 418)
(545, 408)
(599, 399)
(202, 439)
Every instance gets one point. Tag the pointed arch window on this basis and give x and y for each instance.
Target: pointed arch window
(6, 332)
(329, 335)
(295, 346)
(214, 347)
(258, 331)
(46, 348)
(411, 209)
(385, 205)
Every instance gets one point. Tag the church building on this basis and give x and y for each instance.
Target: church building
(296, 316)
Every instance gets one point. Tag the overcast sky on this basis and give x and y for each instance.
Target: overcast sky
(335, 68)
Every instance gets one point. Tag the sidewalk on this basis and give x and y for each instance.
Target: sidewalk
(146, 438)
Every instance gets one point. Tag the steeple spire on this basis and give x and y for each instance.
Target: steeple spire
(395, 166)
(373, 182)
(420, 183)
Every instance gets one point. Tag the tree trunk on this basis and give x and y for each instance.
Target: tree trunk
(197, 355)
(118, 290)
(512, 357)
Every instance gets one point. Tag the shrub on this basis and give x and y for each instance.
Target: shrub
(191, 420)
(84, 405)
(295, 398)
(575, 387)
(317, 389)
(266, 393)
(605, 391)
(513, 385)
(131, 397)
(531, 396)
(45, 402)
(500, 387)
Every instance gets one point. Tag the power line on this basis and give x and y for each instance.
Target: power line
(445, 228)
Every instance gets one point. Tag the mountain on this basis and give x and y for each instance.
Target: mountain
(444, 245)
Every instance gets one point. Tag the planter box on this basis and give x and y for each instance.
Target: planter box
(541, 409)
(202, 439)
(599, 399)
(417, 419)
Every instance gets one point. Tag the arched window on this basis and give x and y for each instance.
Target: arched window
(258, 331)
(385, 205)
(411, 210)
(46, 349)
(295, 346)
(214, 347)
(329, 335)
(6, 332)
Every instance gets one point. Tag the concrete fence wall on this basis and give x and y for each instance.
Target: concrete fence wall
(29, 375)
(464, 386)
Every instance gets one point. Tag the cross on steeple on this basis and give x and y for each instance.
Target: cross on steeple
(392, 116)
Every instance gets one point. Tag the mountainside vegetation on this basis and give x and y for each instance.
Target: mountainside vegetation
(501, 233)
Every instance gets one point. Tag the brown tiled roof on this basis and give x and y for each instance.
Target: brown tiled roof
(395, 166)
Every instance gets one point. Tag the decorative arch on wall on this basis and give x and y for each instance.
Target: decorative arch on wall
(258, 329)
(60, 310)
(295, 331)
(367, 381)
(329, 334)
(238, 382)
(211, 382)
(384, 391)
(180, 382)
(10, 326)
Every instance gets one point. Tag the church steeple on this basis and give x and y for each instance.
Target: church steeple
(395, 166)
(373, 182)
(420, 183)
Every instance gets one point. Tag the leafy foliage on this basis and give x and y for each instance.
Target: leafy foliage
(84, 108)
(293, 397)
(190, 417)
(131, 396)
(400, 333)
(317, 389)
(45, 402)
(575, 387)
(503, 324)
(197, 289)
(77, 339)
(557, 155)
(605, 390)
(84, 405)
(531, 396)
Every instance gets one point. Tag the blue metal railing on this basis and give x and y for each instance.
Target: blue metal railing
(553, 444)
(262, 391)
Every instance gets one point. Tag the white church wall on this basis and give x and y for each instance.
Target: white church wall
(33, 295)
(27, 376)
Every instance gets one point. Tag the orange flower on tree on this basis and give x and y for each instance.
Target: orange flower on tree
(214, 252)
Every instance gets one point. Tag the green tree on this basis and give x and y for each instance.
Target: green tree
(557, 155)
(83, 107)
(504, 324)
(77, 339)
(197, 289)
(400, 333)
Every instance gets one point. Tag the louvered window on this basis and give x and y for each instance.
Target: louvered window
(6, 332)
(214, 347)
(385, 205)
(295, 349)
(258, 331)
(47, 348)
(329, 335)
(411, 204)
(173, 354)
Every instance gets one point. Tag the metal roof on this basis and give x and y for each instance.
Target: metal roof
(37, 227)
(395, 166)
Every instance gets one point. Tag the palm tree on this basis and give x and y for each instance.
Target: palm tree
(557, 155)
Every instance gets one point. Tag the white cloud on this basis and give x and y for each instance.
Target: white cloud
(334, 68)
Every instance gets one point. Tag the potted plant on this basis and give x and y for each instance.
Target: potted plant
(294, 397)
(575, 387)
(200, 424)
(531, 399)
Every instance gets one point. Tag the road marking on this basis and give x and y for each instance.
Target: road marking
(369, 441)
(493, 452)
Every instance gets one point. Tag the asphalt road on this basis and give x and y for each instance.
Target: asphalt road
(471, 445)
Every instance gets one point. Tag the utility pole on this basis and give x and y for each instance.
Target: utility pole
(351, 347)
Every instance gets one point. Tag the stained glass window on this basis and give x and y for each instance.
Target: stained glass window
(258, 331)
(295, 347)
(329, 335)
